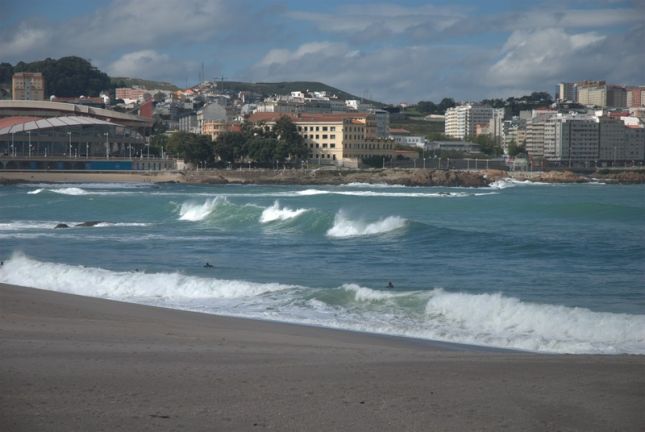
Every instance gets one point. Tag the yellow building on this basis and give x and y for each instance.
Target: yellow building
(338, 138)
(28, 86)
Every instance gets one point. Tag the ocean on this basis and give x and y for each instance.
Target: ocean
(526, 266)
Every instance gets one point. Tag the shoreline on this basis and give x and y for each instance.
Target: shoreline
(80, 363)
(404, 177)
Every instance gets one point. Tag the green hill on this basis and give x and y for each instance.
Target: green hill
(146, 84)
(281, 88)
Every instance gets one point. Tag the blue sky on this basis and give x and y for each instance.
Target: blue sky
(397, 51)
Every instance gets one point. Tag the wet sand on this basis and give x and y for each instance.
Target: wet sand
(76, 363)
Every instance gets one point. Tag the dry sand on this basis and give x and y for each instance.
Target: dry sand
(70, 363)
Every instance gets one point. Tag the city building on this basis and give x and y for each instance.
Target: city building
(635, 97)
(599, 93)
(335, 138)
(567, 92)
(462, 121)
(28, 86)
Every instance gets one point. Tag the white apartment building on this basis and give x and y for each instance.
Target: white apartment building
(462, 121)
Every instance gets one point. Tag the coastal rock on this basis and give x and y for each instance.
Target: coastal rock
(61, 225)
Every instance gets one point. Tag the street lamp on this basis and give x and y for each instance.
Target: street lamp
(13, 147)
(69, 135)
(29, 137)
(87, 150)
(107, 145)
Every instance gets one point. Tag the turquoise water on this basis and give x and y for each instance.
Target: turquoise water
(551, 268)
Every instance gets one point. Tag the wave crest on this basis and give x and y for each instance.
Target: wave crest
(195, 212)
(275, 213)
(345, 227)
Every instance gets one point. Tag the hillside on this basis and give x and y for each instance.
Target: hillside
(146, 84)
(269, 89)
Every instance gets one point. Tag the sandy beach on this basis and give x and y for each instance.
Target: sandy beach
(77, 363)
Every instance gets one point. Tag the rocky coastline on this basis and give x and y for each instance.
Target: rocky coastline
(405, 177)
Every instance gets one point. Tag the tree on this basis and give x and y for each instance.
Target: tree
(487, 145)
(427, 107)
(445, 104)
(6, 72)
(290, 143)
(514, 149)
(191, 147)
(68, 76)
(231, 146)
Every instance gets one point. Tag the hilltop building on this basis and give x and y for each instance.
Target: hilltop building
(599, 93)
(566, 92)
(28, 86)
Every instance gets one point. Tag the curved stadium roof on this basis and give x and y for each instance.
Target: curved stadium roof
(53, 122)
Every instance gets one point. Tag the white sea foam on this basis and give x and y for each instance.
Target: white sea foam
(374, 185)
(275, 212)
(96, 282)
(510, 182)
(194, 211)
(35, 192)
(345, 227)
(121, 224)
(497, 320)
(481, 319)
(308, 192)
(28, 225)
(69, 191)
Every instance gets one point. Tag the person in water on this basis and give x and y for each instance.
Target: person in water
(208, 265)
(389, 285)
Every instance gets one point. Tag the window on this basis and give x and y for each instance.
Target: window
(332, 145)
(324, 145)
(332, 128)
(332, 136)
(317, 145)
(299, 128)
(317, 136)
(325, 136)
(317, 128)
(324, 128)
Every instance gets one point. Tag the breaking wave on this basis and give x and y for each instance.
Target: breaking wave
(345, 227)
(193, 211)
(276, 213)
(509, 182)
(62, 191)
(492, 320)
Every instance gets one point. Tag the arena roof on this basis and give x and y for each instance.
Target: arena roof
(9, 108)
(53, 122)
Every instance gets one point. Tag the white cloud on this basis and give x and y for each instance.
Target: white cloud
(25, 39)
(533, 56)
(148, 64)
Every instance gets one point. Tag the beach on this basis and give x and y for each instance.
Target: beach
(78, 363)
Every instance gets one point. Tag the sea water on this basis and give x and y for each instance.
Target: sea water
(536, 267)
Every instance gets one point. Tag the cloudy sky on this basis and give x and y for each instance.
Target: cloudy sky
(397, 51)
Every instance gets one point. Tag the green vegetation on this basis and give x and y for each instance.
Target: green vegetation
(515, 105)
(194, 148)
(262, 144)
(418, 126)
(487, 145)
(514, 149)
(428, 107)
(65, 77)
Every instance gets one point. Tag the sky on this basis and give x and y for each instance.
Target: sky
(396, 51)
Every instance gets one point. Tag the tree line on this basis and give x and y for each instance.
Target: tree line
(261, 144)
(65, 77)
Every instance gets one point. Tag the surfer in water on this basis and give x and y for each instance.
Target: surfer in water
(390, 285)
(208, 265)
